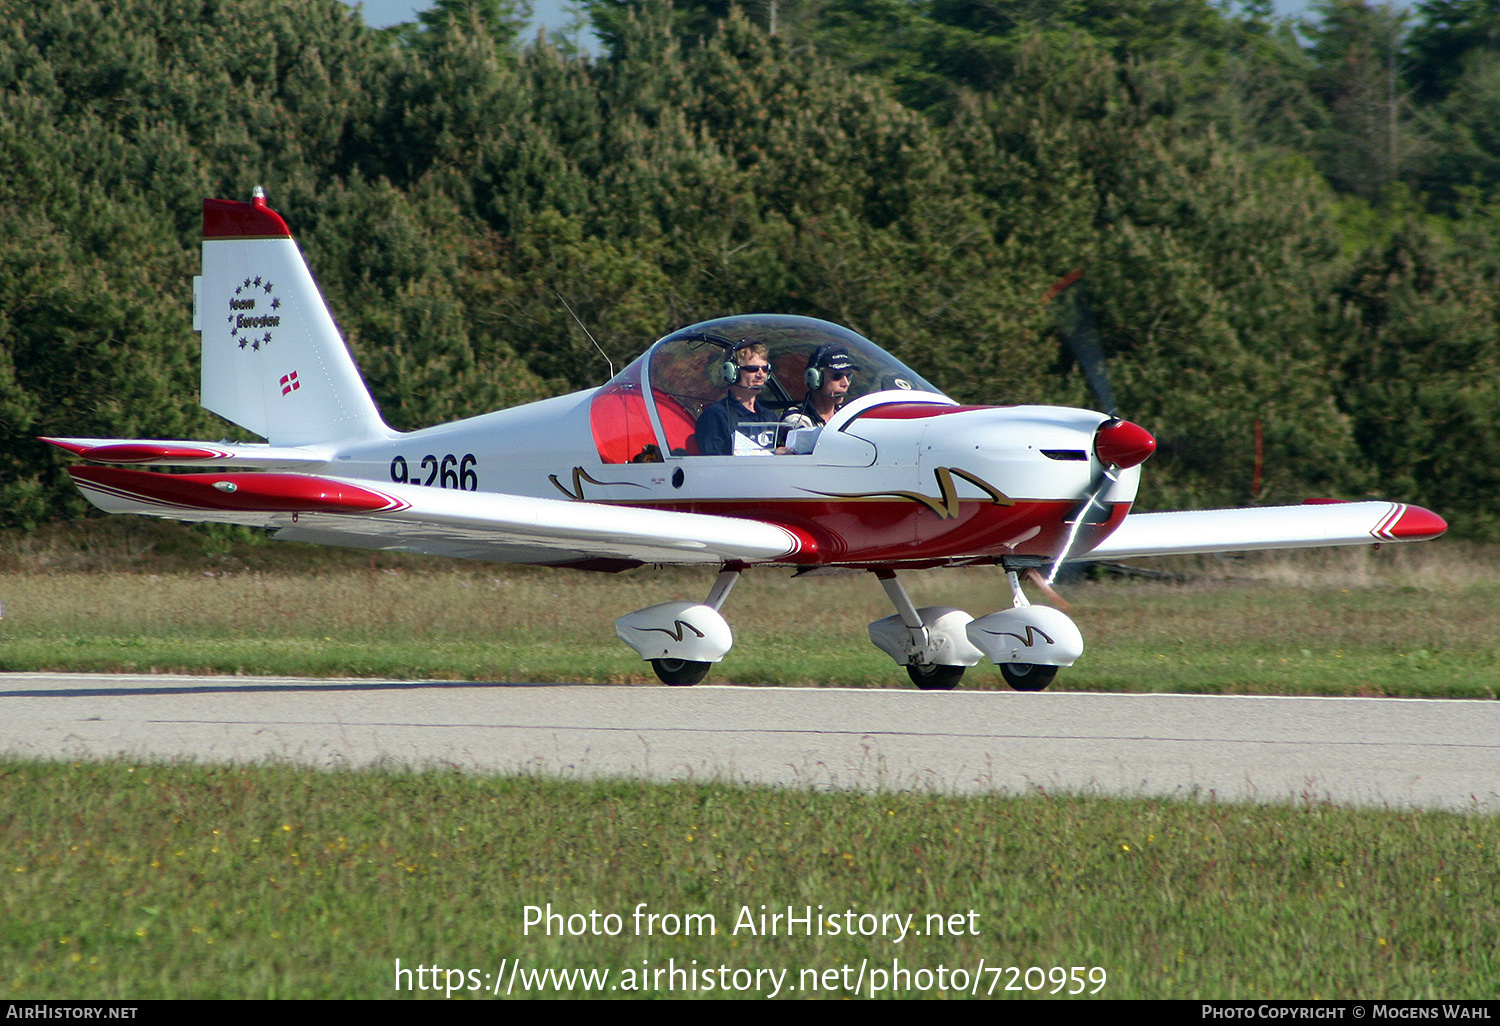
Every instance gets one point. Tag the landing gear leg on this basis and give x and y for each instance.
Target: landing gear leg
(1027, 642)
(1018, 599)
(723, 585)
(925, 674)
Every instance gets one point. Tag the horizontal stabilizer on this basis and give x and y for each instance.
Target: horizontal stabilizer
(410, 518)
(143, 452)
(1312, 525)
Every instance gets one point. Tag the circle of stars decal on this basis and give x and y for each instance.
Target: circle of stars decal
(253, 312)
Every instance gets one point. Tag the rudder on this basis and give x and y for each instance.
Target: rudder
(273, 360)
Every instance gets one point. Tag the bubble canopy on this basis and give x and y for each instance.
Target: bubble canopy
(649, 410)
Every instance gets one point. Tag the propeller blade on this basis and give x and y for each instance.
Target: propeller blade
(1108, 475)
(1118, 444)
(1075, 321)
(1035, 577)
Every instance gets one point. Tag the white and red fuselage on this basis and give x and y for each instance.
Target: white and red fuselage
(895, 478)
(900, 476)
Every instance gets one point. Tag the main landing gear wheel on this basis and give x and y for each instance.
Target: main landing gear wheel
(680, 672)
(1027, 676)
(931, 677)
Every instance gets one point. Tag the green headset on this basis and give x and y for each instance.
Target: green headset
(814, 375)
(729, 370)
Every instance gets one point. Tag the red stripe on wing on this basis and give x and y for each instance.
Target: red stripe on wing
(239, 493)
(915, 411)
(140, 452)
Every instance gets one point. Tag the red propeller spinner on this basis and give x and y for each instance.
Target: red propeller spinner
(1123, 444)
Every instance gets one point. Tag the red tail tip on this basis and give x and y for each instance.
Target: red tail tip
(229, 219)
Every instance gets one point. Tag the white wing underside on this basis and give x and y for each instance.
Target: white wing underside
(1266, 527)
(474, 525)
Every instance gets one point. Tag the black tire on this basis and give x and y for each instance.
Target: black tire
(1027, 676)
(931, 677)
(680, 673)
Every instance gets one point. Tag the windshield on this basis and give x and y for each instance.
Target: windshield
(686, 375)
(686, 366)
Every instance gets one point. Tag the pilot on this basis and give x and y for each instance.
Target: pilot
(828, 373)
(746, 376)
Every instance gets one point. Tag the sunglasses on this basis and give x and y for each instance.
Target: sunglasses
(755, 368)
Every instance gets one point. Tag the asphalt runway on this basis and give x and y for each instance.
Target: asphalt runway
(1399, 753)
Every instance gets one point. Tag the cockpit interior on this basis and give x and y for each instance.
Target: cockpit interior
(648, 412)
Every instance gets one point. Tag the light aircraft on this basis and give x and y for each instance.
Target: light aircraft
(899, 477)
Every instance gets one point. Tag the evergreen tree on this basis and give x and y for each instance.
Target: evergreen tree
(1372, 140)
(493, 222)
(1445, 35)
(1423, 368)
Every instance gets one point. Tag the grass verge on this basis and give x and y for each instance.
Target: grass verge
(126, 880)
(1408, 623)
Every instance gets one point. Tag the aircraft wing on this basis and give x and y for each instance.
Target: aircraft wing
(1312, 525)
(133, 451)
(411, 518)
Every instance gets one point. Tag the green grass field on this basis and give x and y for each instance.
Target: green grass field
(137, 881)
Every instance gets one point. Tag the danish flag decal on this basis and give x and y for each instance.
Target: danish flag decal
(289, 383)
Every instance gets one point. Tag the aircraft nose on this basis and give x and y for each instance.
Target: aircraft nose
(1122, 443)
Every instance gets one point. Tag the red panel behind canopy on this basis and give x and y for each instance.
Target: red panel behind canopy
(618, 418)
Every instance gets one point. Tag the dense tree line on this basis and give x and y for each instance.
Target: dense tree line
(1291, 235)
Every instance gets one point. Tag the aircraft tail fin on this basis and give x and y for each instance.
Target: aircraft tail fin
(273, 360)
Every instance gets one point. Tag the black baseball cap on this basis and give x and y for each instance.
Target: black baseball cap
(833, 358)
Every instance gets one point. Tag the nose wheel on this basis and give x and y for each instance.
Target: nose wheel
(682, 672)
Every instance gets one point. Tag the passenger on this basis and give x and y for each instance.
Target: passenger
(828, 374)
(746, 376)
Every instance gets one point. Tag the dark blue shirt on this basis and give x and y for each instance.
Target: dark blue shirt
(717, 424)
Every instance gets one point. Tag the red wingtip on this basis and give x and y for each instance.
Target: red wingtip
(226, 219)
(1417, 524)
(146, 452)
